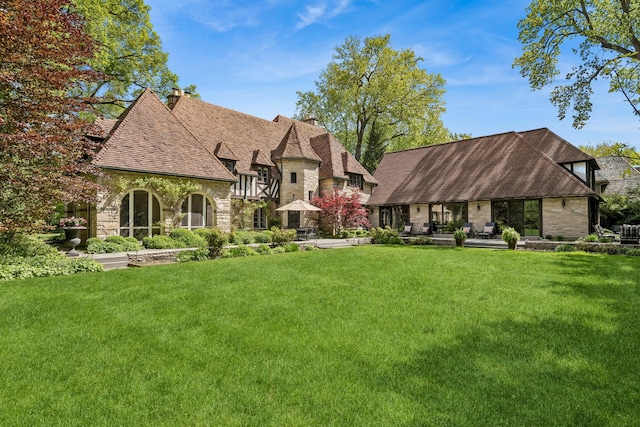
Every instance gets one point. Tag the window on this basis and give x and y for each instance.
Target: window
(294, 177)
(355, 180)
(259, 219)
(199, 212)
(139, 214)
(310, 195)
(523, 215)
(231, 165)
(579, 169)
(263, 174)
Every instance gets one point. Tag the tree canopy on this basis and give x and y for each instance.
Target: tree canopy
(43, 152)
(605, 149)
(603, 34)
(129, 54)
(371, 86)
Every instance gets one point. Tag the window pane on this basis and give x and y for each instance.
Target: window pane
(185, 211)
(140, 208)
(197, 210)
(532, 218)
(124, 212)
(580, 169)
(156, 210)
(516, 215)
(209, 213)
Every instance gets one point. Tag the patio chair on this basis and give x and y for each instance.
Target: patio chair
(603, 234)
(489, 231)
(468, 229)
(407, 229)
(427, 230)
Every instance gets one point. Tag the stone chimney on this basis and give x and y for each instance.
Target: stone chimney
(310, 120)
(175, 95)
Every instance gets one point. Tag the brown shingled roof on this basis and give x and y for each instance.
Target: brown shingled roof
(223, 151)
(493, 167)
(295, 145)
(555, 147)
(149, 138)
(336, 160)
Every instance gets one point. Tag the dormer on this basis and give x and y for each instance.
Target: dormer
(261, 164)
(226, 156)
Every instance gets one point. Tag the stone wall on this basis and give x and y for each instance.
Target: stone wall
(570, 221)
(307, 179)
(106, 216)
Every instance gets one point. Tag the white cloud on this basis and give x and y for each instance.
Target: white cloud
(320, 11)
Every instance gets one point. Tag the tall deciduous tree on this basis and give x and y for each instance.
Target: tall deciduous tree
(604, 36)
(43, 153)
(605, 149)
(369, 81)
(129, 56)
(341, 210)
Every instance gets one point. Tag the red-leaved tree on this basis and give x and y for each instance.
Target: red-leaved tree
(341, 210)
(44, 157)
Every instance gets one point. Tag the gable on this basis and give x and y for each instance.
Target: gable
(148, 138)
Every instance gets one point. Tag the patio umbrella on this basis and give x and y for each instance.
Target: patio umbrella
(299, 205)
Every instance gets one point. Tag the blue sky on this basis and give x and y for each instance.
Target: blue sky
(253, 56)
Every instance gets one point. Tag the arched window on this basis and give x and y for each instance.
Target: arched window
(198, 212)
(139, 214)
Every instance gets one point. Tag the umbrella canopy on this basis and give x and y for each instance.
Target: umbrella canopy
(299, 205)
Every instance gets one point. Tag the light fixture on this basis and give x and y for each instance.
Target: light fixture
(478, 206)
(418, 209)
(563, 204)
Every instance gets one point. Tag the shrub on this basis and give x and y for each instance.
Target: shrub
(112, 244)
(565, 248)
(421, 240)
(310, 248)
(282, 237)
(161, 242)
(344, 234)
(278, 250)
(199, 254)
(23, 256)
(215, 239)
(239, 251)
(187, 238)
(263, 237)
(291, 247)
(263, 249)
(385, 236)
(591, 238)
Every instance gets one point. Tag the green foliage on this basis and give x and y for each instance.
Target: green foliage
(459, 234)
(215, 239)
(130, 55)
(263, 249)
(385, 236)
(199, 254)
(619, 209)
(509, 234)
(608, 50)
(240, 237)
(282, 236)
(420, 240)
(608, 149)
(23, 256)
(278, 250)
(243, 212)
(291, 247)
(172, 191)
(265, 236)
(591, 238)
(239, 251)
(565, 248)
(368, 82)
(162, 242)
(188, 238)
(112, 244)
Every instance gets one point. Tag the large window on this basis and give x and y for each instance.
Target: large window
(139, 214)
(259, 219)
(355, 180)
(263, 174)
(198, 212)
(522, 215)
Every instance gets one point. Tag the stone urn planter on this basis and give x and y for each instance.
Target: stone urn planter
(72, 238)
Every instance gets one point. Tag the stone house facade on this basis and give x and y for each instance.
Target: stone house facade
(534, 181)
(223, 159)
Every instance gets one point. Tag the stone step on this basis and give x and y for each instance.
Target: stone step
(112, 261)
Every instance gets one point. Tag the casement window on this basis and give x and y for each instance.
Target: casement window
(230, 165)
(355, 180)
(263, 174)
(140, 214)
(198, 212)
(259, 219)
(294, 177)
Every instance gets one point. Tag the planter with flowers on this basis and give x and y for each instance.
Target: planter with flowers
(511, 237)
(460, 236)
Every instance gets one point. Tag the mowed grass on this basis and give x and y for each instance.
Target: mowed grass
(368, 336)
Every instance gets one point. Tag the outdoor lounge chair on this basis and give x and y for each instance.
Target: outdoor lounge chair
(407, 229)
(490, 229)
(468, 229)
(602, 234)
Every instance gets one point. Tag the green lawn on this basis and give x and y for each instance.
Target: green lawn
(368, 336)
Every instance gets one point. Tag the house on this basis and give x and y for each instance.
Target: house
(534, 181)
(229, 159)
(616, 175)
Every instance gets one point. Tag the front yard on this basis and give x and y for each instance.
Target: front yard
(361, 336)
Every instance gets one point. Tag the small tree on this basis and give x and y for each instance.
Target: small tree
(341, 210)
